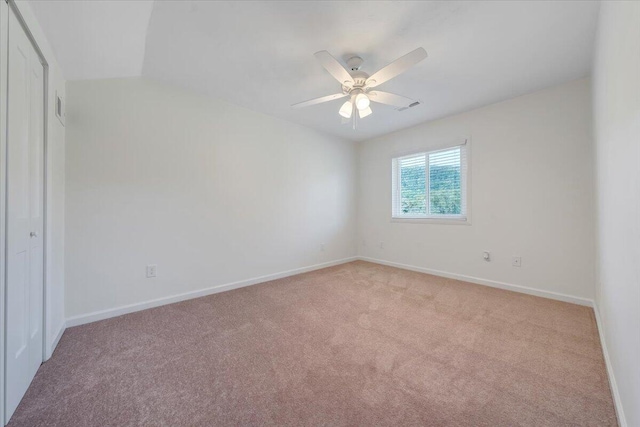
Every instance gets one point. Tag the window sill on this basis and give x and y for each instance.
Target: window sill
(432, 220)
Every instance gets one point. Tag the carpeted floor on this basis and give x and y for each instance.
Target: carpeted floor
(357, 344)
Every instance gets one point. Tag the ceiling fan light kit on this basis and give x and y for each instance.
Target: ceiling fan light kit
(346, 110)
(364, 112)
(362, 101)
(358, 85)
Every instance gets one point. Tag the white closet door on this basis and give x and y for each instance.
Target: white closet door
(25, 278)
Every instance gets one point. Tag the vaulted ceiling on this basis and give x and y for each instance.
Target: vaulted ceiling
(259, 54)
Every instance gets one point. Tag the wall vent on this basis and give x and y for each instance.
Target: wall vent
(410, 106)
(59, 108)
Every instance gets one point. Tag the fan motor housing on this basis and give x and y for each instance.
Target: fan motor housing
(359, 79)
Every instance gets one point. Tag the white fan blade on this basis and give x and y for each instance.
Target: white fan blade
(364, 113)
(389, 99)
(397, 67)
(334, 68)
(319, 100)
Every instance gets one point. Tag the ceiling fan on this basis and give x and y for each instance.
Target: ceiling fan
(358, 85)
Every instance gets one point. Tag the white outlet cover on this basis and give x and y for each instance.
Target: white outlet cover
(517, 261)
(151, 270)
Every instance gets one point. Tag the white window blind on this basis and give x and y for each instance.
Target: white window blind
(431, 184)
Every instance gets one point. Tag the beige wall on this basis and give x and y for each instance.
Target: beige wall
(616, 88)
(531, 195)
(210, 192)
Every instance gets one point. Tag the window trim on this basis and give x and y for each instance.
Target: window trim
(465, 143)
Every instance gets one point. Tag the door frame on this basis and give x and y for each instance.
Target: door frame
(6, 7)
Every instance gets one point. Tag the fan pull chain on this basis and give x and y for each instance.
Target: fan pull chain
(354, 114)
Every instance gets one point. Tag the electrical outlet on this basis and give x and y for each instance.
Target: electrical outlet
(516, 261)
(486, 256)
(151, 270)
(322, 247)
(381, 245)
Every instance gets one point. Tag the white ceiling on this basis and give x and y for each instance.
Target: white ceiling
(260, 54)
(96, 39)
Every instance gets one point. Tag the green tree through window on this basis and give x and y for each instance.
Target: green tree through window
(444, 183)
(413, 182)
(437, 176)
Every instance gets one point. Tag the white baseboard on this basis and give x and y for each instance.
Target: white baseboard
(622, 421)
(56, 340)
(113, 312)
(492, 283)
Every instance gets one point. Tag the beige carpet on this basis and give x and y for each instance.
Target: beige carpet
(357, 344)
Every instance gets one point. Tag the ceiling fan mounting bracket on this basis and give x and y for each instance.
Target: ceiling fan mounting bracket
(354, 63)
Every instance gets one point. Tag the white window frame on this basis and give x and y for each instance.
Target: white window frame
(465, 219)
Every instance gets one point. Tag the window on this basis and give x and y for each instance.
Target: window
(431, 185)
